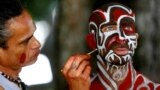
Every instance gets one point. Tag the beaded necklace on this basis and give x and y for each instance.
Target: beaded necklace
(17, 81)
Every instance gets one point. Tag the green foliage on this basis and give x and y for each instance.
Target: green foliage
(38, 8)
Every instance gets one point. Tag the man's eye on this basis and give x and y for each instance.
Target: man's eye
(104, 29)
(109, 28)
(128, 28)
(26, 41)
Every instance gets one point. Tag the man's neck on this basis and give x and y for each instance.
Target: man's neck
(113, 75)
(14, 73)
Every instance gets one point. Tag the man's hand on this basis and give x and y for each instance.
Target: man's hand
(77, 72)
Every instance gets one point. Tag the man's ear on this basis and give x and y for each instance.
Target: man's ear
(137, 35)
(1, 53)
(1, 50)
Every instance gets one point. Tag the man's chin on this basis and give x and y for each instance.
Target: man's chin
(30, 62)
(118, 63)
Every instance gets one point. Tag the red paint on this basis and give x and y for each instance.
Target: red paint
(158, 88)
(151, 86)
(117, 12)
(138, 82)
(127, 83)
(22, 58)
(97, 17)
(91, 41)
(96, 85)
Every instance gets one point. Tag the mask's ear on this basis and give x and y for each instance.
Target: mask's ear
(91, 41)
(137, 35)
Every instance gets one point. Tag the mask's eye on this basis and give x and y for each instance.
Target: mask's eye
(128, 29)
(109, 28)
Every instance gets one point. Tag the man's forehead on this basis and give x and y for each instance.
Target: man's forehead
(117, 12)
(24, 18)
(22, 21)
(110, 14)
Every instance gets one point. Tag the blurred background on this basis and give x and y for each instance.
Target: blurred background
(61, 29)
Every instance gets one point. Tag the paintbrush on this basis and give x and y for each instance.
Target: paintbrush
(91, 52)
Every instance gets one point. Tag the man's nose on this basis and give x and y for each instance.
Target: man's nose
(36, 44)
(121, 40)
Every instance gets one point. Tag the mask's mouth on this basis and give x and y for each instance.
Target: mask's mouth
(118, 54)
(121, 51)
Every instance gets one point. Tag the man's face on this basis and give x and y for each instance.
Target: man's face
(113, 44)
(115, 36)
(23, 47)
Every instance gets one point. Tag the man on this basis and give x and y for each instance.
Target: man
(18, 46)
(113, 35)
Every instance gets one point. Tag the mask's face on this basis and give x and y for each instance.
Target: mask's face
(115, 34)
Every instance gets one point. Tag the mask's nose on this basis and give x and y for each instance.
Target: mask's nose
(121, 40)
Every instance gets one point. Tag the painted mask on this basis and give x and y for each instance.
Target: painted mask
(113, 29)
